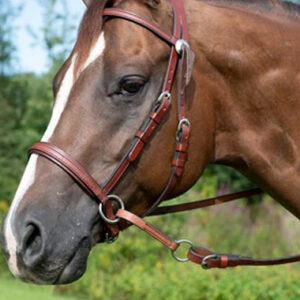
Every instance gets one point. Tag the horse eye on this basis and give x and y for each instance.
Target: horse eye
(131, 87)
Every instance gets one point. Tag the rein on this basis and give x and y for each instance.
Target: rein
(180, 63)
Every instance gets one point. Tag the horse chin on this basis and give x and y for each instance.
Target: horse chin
(77, 264)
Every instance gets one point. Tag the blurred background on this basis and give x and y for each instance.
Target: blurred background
(35, 37)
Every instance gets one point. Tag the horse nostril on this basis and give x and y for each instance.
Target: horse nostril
(32, 244)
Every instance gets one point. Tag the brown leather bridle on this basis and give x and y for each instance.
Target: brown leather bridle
(180, 63)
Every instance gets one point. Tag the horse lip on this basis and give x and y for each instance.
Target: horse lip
(76, 265)
(98, 232)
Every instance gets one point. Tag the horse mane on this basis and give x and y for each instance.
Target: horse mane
(289, 8)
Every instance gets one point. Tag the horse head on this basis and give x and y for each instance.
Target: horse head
(103, 94)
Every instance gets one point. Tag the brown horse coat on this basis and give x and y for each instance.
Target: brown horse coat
(242, 103)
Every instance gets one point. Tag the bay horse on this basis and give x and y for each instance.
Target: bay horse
(241, 105)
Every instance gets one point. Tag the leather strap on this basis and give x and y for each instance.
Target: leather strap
(145, 133)
(202, 256)
(183, 131)
(148, 228)
(163, 210)
(210, 260)
(129, 16)
(70, 166)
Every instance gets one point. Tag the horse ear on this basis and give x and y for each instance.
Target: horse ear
(153, 3)
(87, 2)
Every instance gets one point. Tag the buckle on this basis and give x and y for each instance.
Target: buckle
(162, 96)
(180, 44)
(205, 260)
(183, 46)
(182, 122)
(160, 99)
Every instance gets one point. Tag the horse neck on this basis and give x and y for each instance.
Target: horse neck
(251, 71)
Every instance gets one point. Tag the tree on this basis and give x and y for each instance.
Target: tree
(26, 99)
(7, 48)
(57, 30)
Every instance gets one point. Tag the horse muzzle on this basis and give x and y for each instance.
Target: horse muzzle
(47, 254)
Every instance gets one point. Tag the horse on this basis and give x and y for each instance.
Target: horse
(241, 99)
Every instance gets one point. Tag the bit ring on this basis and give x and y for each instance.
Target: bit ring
(103, 216)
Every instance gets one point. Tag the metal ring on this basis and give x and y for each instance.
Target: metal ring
(179, 242)
(110, 221)
(180, 124)
(204, 262)
(180, 44)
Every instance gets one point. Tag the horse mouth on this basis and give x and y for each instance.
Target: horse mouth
(77, 264)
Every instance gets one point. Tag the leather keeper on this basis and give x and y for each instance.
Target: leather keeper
(160, 113)
(224, 261)
(141, 135)
(134, 153)
(147, 133)
(179, 172)
(181, 147)
(153, 116)
(179, 163)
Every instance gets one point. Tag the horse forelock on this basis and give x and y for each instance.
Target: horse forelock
(91, 28)
(89, 31)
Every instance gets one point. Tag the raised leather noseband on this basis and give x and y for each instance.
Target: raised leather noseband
(180, 62)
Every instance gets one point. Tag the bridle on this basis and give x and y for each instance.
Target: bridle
(180, 62)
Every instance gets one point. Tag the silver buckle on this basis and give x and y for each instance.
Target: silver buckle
(160, 99)
(205, 260)
(182, 122)
(163, 95)
(103, 216)
(180, 44)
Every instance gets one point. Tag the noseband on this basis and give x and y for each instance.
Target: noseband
(180, 62)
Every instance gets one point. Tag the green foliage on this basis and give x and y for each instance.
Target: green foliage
(12, 289)
(7, 16)
(25, 101)
(23, 118)
(57, 30)
(192, 283)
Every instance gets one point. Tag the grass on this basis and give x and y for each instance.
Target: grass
(16, 290)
